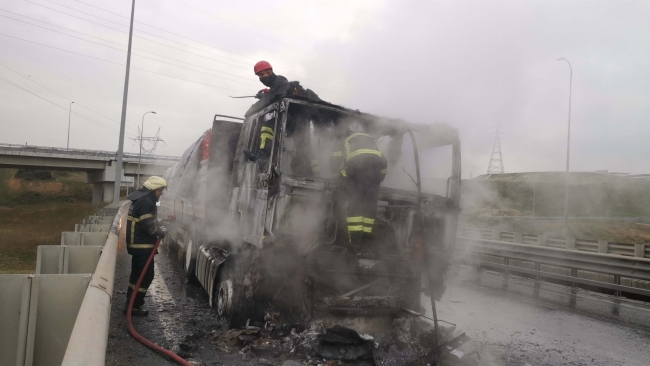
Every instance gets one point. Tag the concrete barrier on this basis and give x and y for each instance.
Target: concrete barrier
(100, 228)
(49, 259)
(81, 259)
(83, 238)
(70, 238)
(37, 313)
(92, 228)
(63, 259)
(94, 239)
(14, 309)
(89, 339)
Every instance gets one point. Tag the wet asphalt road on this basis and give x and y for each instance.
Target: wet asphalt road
(515, 326)
(176, 310)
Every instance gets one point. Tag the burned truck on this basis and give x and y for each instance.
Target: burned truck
(262, 234)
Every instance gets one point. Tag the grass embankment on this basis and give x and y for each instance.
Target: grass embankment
(613, 231)
(60, 188)
(35, 210)
(23, 229)
(590, 195)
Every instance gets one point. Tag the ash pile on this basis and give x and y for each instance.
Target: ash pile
(407, 341)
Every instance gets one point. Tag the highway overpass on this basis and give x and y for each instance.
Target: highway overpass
(98, 165)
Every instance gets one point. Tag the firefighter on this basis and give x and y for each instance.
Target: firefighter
(360, 167)
(279, 87)
(142, 231)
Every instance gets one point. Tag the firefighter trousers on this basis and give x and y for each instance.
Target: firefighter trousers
(137, 265)
(362, 189)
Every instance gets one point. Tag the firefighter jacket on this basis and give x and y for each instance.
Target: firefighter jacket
(353, 152)
(278, 89)
(142, 230)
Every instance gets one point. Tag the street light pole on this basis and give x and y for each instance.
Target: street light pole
(140, 154)
(67, 145)
(568, 146)
(120, 149)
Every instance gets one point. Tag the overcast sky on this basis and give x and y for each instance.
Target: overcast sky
(472, 64)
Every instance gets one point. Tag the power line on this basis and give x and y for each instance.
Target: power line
(141, 31)
(176, 34)
(120, 44)
(62, 107)
(68, 35)
(240, 27)
(57, 93)
(169, 148)
(117, 63)
(57, 72)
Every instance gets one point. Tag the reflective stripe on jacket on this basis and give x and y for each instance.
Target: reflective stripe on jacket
(141, 226)
(355, 145)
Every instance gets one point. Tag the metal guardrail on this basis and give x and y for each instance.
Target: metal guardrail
(643, 219)
(622, 268)
(108, 155)
(586, 245)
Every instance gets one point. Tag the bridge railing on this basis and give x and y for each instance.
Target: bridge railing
(621, 267)
(109, 155)
(585, 245)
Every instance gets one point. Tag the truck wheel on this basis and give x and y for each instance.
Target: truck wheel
(189, 263)
(230, 309)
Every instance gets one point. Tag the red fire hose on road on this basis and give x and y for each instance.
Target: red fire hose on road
(135, 334)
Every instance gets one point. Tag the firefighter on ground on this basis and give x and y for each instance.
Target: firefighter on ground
(303, 163)
(360, 167)
(142, 231)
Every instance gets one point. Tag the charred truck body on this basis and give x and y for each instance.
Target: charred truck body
(269, 233)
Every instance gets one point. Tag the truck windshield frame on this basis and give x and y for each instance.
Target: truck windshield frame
(369, 121)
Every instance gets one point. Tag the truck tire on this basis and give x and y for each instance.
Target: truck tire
(232, 310)
(189, 259)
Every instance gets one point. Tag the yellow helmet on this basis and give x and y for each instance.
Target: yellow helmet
(154, 183)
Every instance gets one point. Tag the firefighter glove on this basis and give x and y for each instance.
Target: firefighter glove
(260, 94)
(162, 232)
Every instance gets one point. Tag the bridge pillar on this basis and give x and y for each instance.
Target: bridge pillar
(109, 190)
(98, 192)
(103, 183)
(103, 192)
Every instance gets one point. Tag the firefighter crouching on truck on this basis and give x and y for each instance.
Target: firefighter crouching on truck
(358, 164)
(304, 163)
(142, 231)
(277, 88)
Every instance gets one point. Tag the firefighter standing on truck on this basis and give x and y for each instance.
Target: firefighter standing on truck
(142, 231)
(358, 164)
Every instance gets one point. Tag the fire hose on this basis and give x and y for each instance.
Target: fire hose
(132, 330)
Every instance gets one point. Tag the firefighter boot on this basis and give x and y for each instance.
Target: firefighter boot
(134, 311)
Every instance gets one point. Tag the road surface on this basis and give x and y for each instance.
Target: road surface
(518, 325)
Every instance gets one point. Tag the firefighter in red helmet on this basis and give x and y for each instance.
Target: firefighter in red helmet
(277, 88)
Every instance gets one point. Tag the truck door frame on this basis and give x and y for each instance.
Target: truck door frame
(252, 183)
